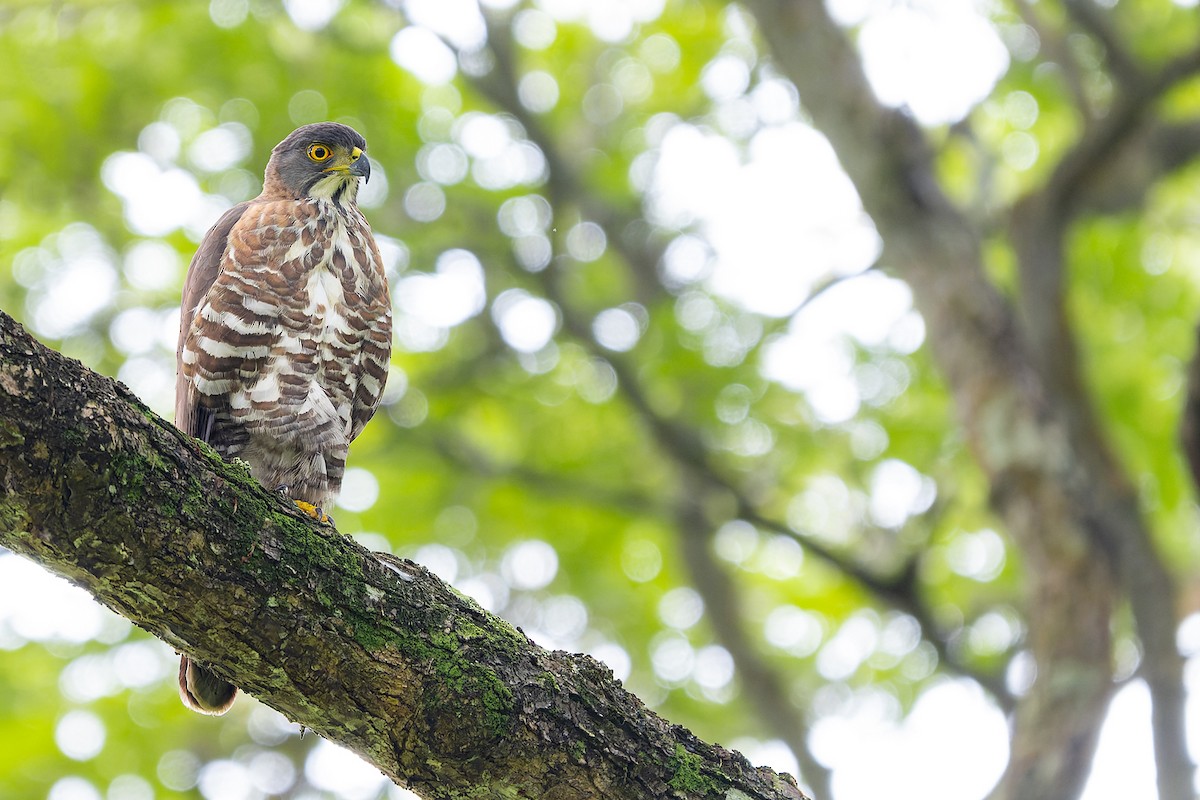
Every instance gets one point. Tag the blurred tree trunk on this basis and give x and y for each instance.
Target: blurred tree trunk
(372, 652)
(1012, 367)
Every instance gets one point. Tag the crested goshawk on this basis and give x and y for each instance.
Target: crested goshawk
(285, 334)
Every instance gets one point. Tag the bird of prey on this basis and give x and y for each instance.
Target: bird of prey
(285, 335)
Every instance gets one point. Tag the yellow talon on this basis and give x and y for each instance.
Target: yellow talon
(314, 511)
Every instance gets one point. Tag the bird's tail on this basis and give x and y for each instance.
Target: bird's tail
(203, 691)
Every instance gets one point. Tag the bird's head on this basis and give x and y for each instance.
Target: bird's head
(320, 161)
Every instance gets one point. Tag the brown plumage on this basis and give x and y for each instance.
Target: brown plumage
(285, 334)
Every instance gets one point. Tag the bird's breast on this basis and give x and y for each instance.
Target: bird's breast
(333, 274)
(326, 298)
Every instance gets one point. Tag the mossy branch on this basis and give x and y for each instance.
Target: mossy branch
(374, 653)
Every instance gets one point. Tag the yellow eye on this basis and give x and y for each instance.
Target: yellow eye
(319, 152)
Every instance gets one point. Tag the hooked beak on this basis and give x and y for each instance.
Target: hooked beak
(357, 165)
(361, 165)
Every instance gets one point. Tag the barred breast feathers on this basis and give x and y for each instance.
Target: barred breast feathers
(297, 321)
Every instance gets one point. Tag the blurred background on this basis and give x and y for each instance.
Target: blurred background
(655, 395)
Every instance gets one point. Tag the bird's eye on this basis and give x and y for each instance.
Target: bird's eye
(319, 152)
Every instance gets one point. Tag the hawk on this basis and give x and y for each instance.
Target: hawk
(285, 335)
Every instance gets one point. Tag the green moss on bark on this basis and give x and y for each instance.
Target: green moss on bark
(687, 775)
(10, 434)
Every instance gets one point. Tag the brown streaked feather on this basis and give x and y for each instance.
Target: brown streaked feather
(287, 350)
(375, 349)
(201, 274)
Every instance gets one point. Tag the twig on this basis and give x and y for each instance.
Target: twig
(1061, 53)
(1092, 19)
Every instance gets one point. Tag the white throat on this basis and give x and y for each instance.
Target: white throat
(344, 186)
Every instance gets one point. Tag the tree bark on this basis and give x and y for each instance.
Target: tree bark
(372, 652)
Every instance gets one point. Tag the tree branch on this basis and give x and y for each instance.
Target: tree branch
(375, 654)
(1156, 149)
(1189, 425)
(1091, 18)
(1105, 137)
(1056, 47)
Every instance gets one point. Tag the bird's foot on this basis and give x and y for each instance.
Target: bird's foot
(315, 512)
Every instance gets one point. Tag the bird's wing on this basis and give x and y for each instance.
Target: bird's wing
(376, 350)
(202, 273)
